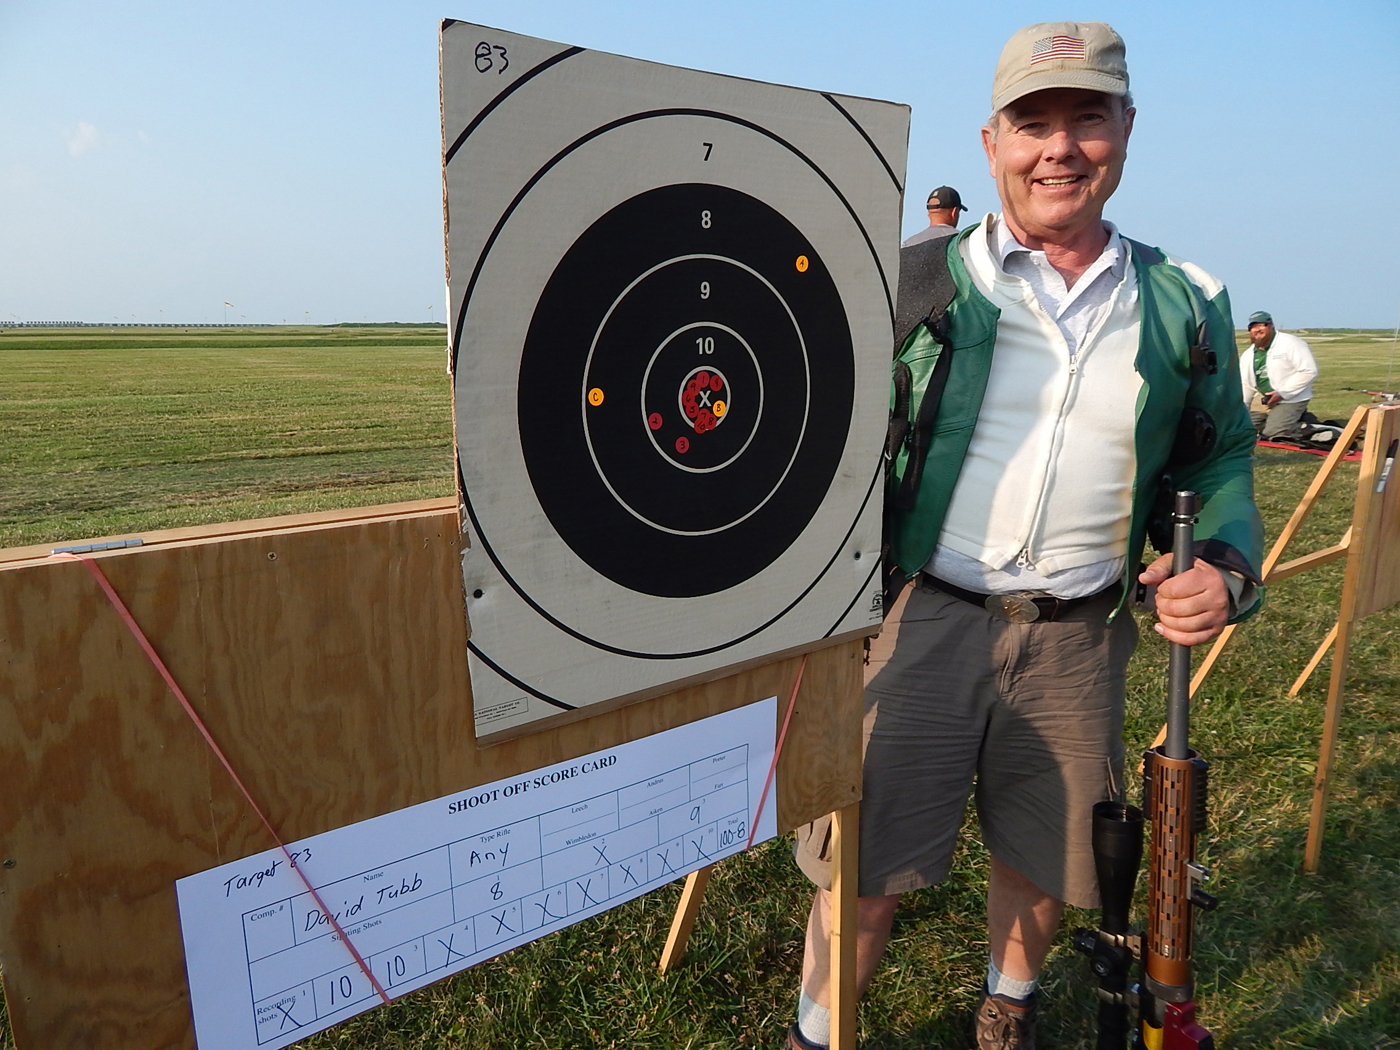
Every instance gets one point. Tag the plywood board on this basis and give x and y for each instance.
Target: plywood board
(671, 296)
(329, 660)
(1376, 526)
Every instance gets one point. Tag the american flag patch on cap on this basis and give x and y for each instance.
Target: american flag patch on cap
(1057, 46)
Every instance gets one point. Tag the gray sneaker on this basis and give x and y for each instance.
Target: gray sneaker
(1005, 1024)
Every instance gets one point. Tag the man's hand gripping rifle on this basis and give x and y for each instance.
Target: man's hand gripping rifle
(1174, 795)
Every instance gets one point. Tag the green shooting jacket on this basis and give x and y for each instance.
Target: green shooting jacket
(1229, 533)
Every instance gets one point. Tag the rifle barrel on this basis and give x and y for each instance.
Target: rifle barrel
(1184, 510)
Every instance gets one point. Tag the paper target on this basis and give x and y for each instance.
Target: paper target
(671, 301)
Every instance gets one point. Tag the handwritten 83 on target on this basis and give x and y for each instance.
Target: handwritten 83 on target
(671, 324)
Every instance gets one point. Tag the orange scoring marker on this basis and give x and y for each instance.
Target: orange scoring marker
(802, 264)
(720, 408)
(595, 396)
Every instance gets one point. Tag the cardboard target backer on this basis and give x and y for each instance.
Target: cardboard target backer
(671, 299)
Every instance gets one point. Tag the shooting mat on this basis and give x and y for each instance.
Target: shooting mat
(671, 303)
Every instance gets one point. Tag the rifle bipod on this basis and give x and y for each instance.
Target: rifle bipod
(1174, 798)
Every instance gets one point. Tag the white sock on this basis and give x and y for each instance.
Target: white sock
(813, 1021)
(1000, 984)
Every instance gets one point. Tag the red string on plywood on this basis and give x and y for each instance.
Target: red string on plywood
(149, 649)
(777, 751)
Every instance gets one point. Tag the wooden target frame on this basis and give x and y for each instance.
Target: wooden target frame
(327, 655)
(1371, 583)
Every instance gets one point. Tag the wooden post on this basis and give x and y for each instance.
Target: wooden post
(1312, 853)
(845, 845)
(684, 920)
(1206, 665)
(1317, 659)
(1363, 592)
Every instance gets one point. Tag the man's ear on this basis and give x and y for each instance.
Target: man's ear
(989, 147)
(1129, 115)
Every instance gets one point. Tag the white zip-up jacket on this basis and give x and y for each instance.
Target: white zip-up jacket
(1290, 365)
(1047, 482)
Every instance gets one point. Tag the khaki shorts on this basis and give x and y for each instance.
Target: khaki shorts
(1027, 718)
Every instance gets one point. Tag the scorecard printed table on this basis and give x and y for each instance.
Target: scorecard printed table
(429, 890)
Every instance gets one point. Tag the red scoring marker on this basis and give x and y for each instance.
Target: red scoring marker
(682, 444)
(654, 421)
(716, 383)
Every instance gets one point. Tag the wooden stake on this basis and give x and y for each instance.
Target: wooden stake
(1312, 854)
(684, 920)
(1317, 659)
(845, 845)
(1326, 755)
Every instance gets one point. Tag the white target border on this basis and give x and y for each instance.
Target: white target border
(596, 640)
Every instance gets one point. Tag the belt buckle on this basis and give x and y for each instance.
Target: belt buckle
(1013, 608)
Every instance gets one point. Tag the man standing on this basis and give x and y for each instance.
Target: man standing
(1276, 377)
(1044, 462)
(944, 206)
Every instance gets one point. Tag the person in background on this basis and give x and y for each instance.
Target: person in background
(1276, 374)
(944, 205)
(1002, 679)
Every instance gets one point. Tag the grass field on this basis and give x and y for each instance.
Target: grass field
(125, 431)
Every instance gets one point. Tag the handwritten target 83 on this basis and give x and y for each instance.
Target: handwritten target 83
(685, 390)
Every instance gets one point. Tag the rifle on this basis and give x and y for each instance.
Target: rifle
(1174, 795)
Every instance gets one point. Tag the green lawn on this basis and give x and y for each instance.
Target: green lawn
(127, 430)
(101, 433)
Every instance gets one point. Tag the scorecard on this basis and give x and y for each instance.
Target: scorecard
(671, 299)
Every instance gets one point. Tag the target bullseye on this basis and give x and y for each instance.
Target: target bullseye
(682, 303)
(702, 399)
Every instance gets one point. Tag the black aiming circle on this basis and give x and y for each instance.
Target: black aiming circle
(685, 390)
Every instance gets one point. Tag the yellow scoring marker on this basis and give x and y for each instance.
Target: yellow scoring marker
(720, 409)
(802, 264)
(595, 396)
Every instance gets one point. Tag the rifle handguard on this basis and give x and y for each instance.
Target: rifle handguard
(1176, 808)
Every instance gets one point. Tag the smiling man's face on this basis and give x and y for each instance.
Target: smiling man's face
(1057, 157)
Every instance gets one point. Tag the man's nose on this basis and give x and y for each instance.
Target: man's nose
(1060, 144)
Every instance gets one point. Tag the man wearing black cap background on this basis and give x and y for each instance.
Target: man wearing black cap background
(944, 205)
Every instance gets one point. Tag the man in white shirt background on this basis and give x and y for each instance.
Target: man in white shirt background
(1276, 373)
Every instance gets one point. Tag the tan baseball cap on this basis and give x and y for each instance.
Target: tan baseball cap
(1060, 55)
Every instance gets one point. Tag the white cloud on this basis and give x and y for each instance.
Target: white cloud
(81, 139)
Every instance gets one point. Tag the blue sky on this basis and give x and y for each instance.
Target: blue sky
(158, 159)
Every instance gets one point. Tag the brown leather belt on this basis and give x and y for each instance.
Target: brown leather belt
(1019, 606)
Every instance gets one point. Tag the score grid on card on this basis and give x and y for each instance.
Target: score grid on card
(438, 887)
